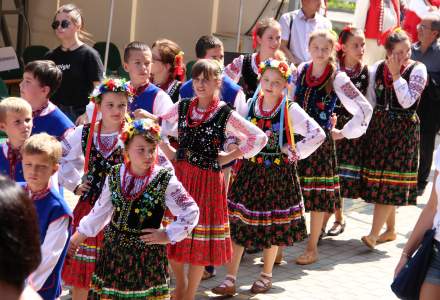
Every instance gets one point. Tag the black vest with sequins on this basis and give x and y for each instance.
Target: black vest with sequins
(200, 145)
(250, 79)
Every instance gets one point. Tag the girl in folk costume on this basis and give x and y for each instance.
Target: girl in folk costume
(375, 17)
(318, 87)
(167, 70)
(265, 202)
(391, 154)
(132, 263)
(98, 148)
(204, 125)
(351, 50)
(266, 35)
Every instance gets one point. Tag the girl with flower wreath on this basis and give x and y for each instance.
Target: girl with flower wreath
(265, 202)
(266, 36)
(318, 86)
(167, 69)
(133, 263)
(91, 150)
(204, 125)
(350, 52)
(391, 153)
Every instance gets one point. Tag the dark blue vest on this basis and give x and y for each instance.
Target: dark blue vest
(4, 166)
(49, 209)
(145, 100)
(55, 123)
(229, 90)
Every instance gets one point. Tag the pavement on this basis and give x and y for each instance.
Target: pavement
(346, 270)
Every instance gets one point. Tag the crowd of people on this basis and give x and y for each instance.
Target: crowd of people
(190, 174)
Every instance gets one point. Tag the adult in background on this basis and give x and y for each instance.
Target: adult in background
(296, 27)
(427, 51)
(376, 17)
(81, 65)
(415, 12)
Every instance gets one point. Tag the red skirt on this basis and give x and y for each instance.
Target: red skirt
(210, 241)
(78, 270)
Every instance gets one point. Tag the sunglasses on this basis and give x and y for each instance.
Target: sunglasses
(64, 24)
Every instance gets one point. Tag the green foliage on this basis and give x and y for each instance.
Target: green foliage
(345, 5)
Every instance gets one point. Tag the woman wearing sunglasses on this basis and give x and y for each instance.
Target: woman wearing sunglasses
(81, 65)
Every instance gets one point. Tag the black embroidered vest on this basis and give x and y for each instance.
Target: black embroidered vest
(200, 145)
(250, 79)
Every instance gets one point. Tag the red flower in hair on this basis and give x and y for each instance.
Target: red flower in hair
(124, 137)
(110, 84)
(254, 38)
(283, 67)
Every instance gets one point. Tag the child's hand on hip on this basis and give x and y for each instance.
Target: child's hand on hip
(155, 236)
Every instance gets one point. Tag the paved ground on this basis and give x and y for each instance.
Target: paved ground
(346, 270)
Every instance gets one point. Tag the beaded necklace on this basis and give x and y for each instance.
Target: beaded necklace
(125, 190)
(268, 113)
(102, 146)
(205, 115)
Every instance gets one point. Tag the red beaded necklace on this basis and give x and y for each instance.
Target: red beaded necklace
(268, 113)
(314, 82)
(145, 178)
(205, 114)
(104, 148)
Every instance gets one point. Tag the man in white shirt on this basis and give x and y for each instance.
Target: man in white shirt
(296, 27)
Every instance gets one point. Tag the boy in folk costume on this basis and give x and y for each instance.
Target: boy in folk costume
(376, 17)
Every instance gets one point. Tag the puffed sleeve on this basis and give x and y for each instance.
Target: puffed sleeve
(409, 92)
(72, 163)
(307, 127)
(169, 121)
(355, 103)
(99, 216)
(162, 104)
(183, 207)
(233, 70)
(250, 138)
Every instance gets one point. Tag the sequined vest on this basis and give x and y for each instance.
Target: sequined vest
(316, 101)
(131, 216)
(249, 77)
(360, 81)
(99, 167)
(200, 145)
(271, 153)
(386, 97)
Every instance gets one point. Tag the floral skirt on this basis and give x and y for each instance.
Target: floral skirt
(130, 269)
(266, 206)
(349, 161)
(210, 241)
(319, 178)
(78, 270)
(391, 155)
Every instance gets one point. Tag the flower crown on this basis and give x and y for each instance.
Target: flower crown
(281, 66)
(145, 127)
(179, 71)
(116, 85)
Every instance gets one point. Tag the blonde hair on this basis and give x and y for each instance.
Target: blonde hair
(13, 104)
(331, 38)
(77, 18)
(264, 24)
(42, 143)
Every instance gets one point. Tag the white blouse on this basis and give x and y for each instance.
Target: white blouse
(177, 199)
(354, 102)
(234, 69)
(250, 139)
(407, 92)
(304, 125)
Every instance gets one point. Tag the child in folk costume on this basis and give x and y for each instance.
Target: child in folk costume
(41, 156)
(167, 68)
(317, 89)
(265, 201)
(391, 153)
(97, 147)
(266, 35)
(204, 125)
(351, 50)
(133, 263)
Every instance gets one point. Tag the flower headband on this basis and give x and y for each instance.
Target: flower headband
(178, 66)
(281, 66)
(145, 127)
(115, 85)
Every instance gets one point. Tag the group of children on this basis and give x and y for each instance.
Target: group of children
(151, 168)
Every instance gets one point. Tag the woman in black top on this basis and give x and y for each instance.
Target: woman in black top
(81, 65)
